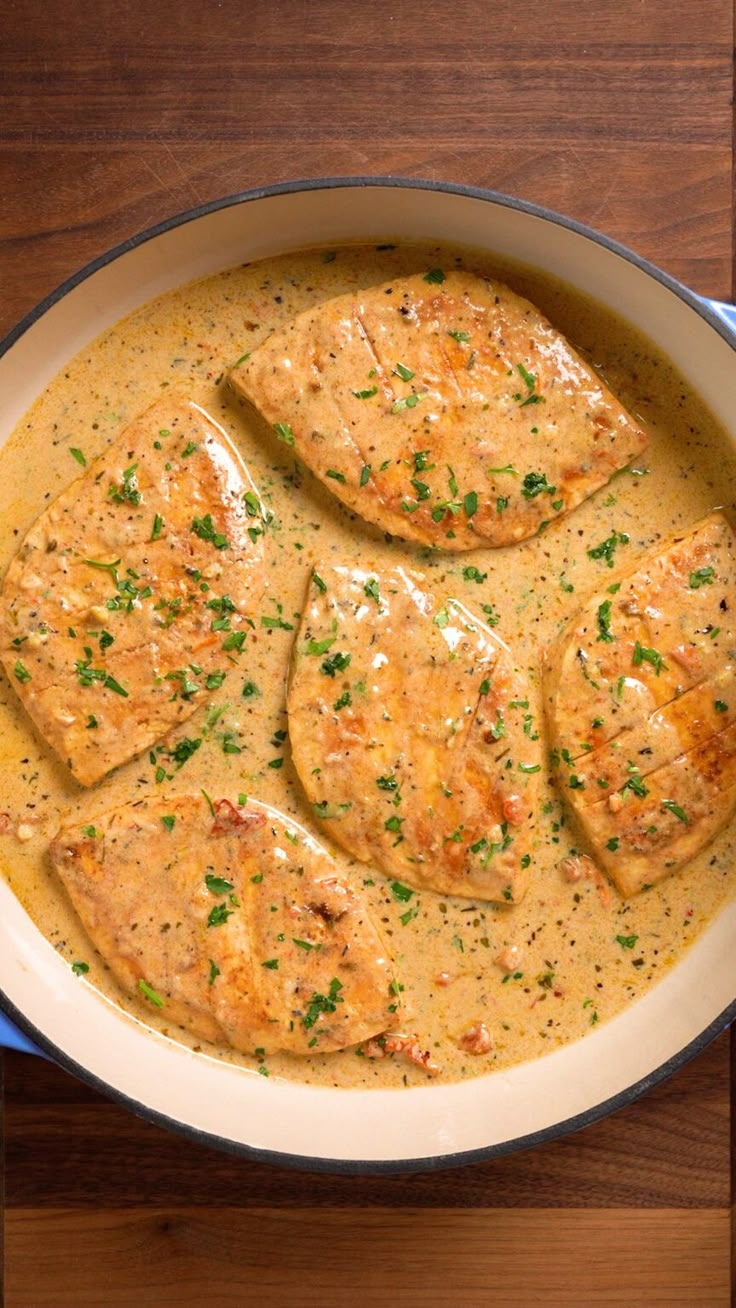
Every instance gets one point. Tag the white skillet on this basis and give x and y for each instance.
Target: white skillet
(376, 1130)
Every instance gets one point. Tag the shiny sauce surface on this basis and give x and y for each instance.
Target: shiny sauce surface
(573, 954)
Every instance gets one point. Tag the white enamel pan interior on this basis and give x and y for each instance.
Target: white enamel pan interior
(376, 1130)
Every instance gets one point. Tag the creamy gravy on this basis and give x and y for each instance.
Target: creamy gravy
(583, 954)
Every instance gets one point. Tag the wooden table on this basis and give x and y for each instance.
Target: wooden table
(114, 116)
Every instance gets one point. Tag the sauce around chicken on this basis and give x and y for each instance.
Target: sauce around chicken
(475, 984)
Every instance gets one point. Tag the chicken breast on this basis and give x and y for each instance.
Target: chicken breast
(641, 698)
(412, 734)
(232, 922)
(443, 408)
(128, 602)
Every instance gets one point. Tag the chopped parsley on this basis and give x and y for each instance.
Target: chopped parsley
(78, 455)
(535, 483)
(150, 993)
(607, 547)
(604, 621)
(672, 807)
(471, 573)
(168, 820)
(401, 892)
(403, 372)
(530, 381)
(367, 394)
(127, 492)
(701, 577)
(79, 968)
(370, 589)
(645, 654)
(158, 523)
(284, 432)
(627, 942)
(435, 277)
(205, 529)
(218, 915)
(461, 337)
(336, 663)
(323, 1004)
(21, 672)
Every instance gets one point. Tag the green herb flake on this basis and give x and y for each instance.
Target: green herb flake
(218, 915)
(272, 964)
(672, 807)
(335, 475)
(535, 483)
(471, 573)
(168, 820)
(435, 277)
(365, 474)
(79, 968)
(461, 337)
(645, 654)
(205, 529)
(157, 528)
(214, 972)
(20, 671)
(150, 994)
(336, 663)
(284, 432)
(367, 394)
(78, 455)
(401, 892)
(604, 622)
(626, 942)
(470, 503)
(218, 885)
(371, 590)
(720, 706)
(319, 1004)
(701, 577)
(607, 548)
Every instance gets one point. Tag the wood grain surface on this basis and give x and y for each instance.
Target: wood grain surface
(114, 116)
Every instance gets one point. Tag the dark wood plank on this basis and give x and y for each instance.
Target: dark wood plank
(67, 1147)
(672, 208)
(372, 1257)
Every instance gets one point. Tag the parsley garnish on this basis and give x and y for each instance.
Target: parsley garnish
(205, 529)
(604, 621)
(150, 993)
(336, 663)
(435, 277)
(672, 807)
(21, 672)
(701, 577)
(644, 654)
(284, 432)
(127, 491)
(534, 484)
(607, 547)
(78, 455)
(323, 1003)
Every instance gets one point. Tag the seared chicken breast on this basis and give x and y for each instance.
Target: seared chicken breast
(412, 733)
(127, 603)
(232, 922)
(444, 408)
(641, 698)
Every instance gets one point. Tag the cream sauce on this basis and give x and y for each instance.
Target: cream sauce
(572, 954)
